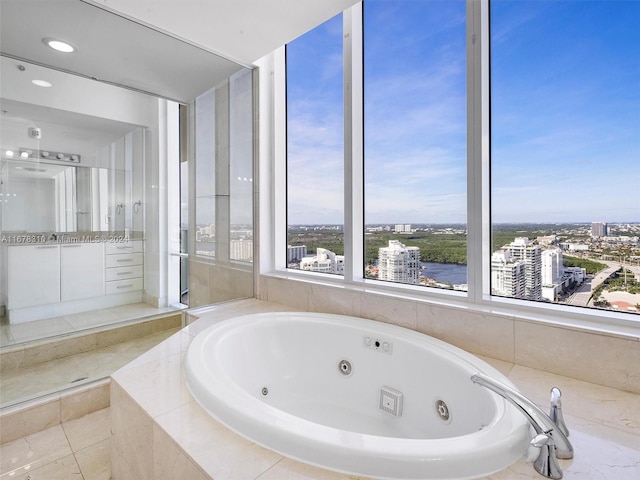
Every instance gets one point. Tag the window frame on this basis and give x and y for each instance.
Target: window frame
(478, 297)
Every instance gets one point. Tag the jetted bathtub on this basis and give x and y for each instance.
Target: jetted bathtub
(355, 396)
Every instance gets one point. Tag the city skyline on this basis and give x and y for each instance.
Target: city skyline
(567, 148)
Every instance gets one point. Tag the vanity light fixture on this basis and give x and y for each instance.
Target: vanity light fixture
(50, 155)
(42, 83)
(59, 45)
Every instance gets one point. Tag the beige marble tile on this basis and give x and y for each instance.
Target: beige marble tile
(24, 421)
(389, 310)
(287, 292)
(500, 365)
(11, 357)
(5, 335)
(33, 451)
(220, 452)
(37, 329)
(169, 462)
(92, 398)
(195, 430)
(199, 290)
(242, 283)
(167, 322)
(483, 334)
(219, 313)
(92, 319)
(600, 453)
(337, 300)
(131, 444)
(95, 461)
(174, 344)
(288, 469)
(581, 399)
(54, 349)
(88, 430)
(65, 468)
(601, 359)
(164, 375)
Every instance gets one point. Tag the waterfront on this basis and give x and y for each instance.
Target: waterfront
(445, 272)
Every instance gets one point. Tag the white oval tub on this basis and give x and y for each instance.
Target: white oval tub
(279, 380)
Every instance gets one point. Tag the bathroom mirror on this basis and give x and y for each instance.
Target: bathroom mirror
(42, 197)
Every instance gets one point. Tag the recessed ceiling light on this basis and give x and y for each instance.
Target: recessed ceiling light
(59, 45)
(42, 83)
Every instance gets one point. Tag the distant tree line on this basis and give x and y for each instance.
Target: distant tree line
(434, 245)
(591, 266)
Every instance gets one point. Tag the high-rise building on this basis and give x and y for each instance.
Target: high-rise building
(399, 263)
(324, 261)
(402, 228)
(522, 249)
(507, 275)
(552, 267)
(296, 253)
(552, 274)
(241, 249)
(599, 229)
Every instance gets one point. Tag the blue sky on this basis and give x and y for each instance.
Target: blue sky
(565, 113)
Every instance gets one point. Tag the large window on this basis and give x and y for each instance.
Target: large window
(315, 150)
(565, 152)
(500, 150)
(415, 142)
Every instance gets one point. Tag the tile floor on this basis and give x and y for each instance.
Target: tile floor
(78, 449)
(69, 324)
(44, 378)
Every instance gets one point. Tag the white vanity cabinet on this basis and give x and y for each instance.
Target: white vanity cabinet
(81, 271)
(124, 267)
(33, 275)
(51, 280)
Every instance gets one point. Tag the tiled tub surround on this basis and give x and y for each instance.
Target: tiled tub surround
(160, 432)
(611, 359)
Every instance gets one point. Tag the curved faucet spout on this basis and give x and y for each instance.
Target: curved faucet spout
(538, 418)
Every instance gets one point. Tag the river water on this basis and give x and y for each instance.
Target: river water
(445, 272)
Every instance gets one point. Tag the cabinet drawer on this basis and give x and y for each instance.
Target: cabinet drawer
(133, 246)
(123, 273)
(123, 259)
(123, 286)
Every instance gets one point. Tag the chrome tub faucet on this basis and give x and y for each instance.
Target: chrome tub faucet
(550, 437)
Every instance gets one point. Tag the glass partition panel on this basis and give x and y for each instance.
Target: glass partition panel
(221, 240)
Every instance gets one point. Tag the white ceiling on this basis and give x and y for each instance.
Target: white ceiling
(138, 47)
(242, 30)
(219, 37)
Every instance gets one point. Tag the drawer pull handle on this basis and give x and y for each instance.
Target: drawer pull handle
(124, 248)
(49, 246)
(71, 246)
(125, 286)
(124, 273)
(122, 260)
